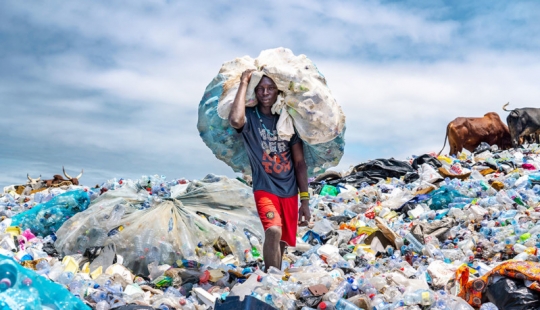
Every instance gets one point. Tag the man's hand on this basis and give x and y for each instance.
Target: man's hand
(305, 213)
(246, 76)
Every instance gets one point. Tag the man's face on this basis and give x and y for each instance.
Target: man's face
(266, 92)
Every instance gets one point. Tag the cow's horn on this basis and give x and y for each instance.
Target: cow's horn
(67, 175)
(504, 107)
(38, 179)
(80, 175)
(29, 178)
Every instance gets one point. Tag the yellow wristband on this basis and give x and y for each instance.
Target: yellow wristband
(304, 198)
(304, 194)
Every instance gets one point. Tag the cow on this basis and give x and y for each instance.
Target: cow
(468, 132)
(35, 183)
(522, 123)
(55, 181)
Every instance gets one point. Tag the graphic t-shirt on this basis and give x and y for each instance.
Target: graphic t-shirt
(270, 157)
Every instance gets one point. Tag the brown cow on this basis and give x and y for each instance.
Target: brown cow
(469, 132)
(55, 181)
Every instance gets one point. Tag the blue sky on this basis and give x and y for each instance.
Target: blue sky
(113, 86)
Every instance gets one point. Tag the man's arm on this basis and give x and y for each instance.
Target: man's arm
(237, 117)
(300, 169)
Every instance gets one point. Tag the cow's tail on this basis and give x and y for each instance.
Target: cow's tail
(504, 107)
(445, 138)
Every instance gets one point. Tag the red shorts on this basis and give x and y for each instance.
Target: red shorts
(277, 211)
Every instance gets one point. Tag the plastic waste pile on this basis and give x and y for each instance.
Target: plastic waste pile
(427, 233)
(305, 104)
(170, 234)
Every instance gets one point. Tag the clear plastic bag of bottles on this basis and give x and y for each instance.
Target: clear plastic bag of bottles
(166, 230)
(317, 117)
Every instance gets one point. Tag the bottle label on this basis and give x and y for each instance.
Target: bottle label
(425, 297)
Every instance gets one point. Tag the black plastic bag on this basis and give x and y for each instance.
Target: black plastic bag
(308, 301)
(512, 294)
(426, 159)
(234, 303)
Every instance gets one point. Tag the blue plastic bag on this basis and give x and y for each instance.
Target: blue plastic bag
(21, 288)
(441, 198)
(46, 218)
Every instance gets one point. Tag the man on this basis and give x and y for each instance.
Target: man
(278, 167)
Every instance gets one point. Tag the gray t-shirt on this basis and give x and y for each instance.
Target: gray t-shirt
(270, 157)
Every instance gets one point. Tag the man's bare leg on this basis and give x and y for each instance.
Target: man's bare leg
(282, 247)
(272, 249)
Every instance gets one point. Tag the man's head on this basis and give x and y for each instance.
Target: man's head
(266, 92)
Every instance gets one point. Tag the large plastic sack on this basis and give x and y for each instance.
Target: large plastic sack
(24, 289)
(225, 198)
(472, 290)
(305, 103)
(510, 294)
(46, 218)
(164, 233)
(217, 191)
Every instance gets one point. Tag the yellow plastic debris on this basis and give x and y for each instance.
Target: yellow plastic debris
(96, 273)
(14, 230)
(71, 264)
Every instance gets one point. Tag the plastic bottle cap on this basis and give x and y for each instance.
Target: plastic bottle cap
(322, 305)
(204, 277)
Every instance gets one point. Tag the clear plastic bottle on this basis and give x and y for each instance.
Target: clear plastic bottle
(65, 278)
(103, 305)
(99, 296)
(343, 304)
(489, 306)
(154, 255)
(339, 292)
(419, 297)
(353, 291)
(325, 305)
(116, 215)
(414, 243)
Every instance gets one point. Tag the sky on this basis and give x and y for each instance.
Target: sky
(113, 86)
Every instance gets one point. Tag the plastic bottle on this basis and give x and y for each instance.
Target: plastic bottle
(65, 278)
(99, 296)
(248, 256)
(97, 237)
(102, 305)
(255, 246)
(154, 255)
(488, 306)
(116, 215)
(312, 250)
(339, 292)
(419, 297)
(43, 267)
(353, 291)
(343, 304)
(416, 245)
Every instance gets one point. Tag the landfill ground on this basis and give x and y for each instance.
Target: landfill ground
(432, 232)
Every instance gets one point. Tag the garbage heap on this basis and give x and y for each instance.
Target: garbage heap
(427, 233)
